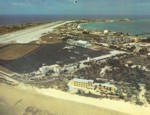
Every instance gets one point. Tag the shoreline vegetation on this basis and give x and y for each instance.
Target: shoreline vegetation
(5, 29)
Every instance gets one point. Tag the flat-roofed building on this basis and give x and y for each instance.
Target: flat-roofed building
(107, 87)
(84, 84)
(83, 43)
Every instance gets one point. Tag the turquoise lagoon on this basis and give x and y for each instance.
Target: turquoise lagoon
(132, 27)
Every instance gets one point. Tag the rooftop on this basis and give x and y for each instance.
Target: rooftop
(82, 80)
(104, 84)
(82, 42)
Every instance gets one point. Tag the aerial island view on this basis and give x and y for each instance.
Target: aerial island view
(74, 57)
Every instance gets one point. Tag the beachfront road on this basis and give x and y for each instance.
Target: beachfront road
(31, 34)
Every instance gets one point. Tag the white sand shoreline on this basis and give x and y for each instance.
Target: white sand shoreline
(120, 106)
(30, 97)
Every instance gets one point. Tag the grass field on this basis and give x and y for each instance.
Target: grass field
(15, 51)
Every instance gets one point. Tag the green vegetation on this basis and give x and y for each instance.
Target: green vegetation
(147, 96)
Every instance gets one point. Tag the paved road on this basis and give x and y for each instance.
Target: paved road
(7, 77)
(31, 34)
(141, 95)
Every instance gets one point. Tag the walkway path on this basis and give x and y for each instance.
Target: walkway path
(141, 95)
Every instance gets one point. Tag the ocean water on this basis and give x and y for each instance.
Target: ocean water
(21, 19)
(133, 28)
(142, 23)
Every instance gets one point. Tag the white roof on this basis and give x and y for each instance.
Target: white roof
(106, 31)
(104, 84)
(82, 80)
(107, 85)
(82, 42)
(54, 66)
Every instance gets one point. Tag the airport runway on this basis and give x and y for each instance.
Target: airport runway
(31, 34)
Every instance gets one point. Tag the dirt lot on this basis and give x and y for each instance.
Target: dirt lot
(137, 60)
(11, 52)
(51, 38)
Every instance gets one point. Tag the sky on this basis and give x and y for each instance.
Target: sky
(82, 7)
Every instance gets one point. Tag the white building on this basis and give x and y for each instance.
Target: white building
(82, 43)
(89, 85)
(79, 27)
(44, 70)
(105, 31)
(56, 68)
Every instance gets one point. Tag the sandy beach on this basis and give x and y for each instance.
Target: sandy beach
(63, 103)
